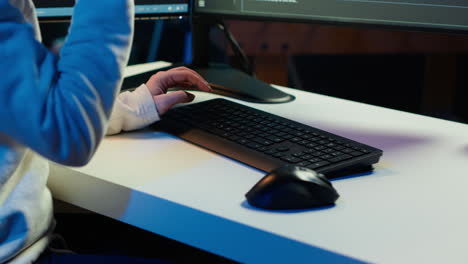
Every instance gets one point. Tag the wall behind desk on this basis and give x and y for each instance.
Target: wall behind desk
(421, 72)
(268, 38)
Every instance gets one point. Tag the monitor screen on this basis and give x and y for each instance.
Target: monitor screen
(63, 9)
(437, 15)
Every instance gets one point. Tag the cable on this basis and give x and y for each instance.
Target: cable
(238, 52)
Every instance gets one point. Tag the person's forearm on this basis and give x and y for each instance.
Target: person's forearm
(60, 107)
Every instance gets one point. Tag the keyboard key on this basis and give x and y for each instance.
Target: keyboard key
(326, 156)
(243, 141)
(253, 145)
(298, 134)
(262, 141)
(311, 145)
(338, 147)
(314, 139)
(356, 153)
(318, 164)
(291, 159)
(303, 163)
(226, 135)
(275, 139)
(316, 153)
(282, 149)
(347, 150)
(280, 134)
(340, 158)
(263, 149)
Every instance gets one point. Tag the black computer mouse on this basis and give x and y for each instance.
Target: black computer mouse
(292, 187)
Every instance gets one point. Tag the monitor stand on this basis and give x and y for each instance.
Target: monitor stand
(224, 79)
(230, 82)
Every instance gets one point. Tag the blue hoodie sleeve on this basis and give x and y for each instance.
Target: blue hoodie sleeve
(59, 106)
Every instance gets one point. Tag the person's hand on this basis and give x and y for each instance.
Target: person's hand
(181, 77)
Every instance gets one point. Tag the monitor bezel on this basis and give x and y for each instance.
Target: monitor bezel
(355, 24)
(56, 19)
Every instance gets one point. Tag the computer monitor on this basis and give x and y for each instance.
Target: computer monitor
(425, 15)
(432, 15)
(59, 10)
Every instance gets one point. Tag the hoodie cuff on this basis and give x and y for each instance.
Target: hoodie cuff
(147, 108)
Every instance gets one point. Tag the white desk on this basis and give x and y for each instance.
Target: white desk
(412, 209)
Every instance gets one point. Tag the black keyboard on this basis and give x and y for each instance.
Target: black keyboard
(266, 141)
